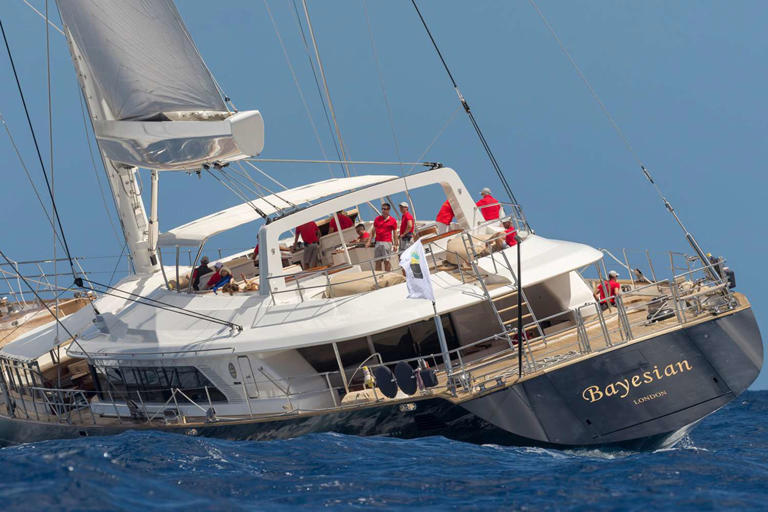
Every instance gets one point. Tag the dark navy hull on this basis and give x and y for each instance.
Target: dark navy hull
(638, 396)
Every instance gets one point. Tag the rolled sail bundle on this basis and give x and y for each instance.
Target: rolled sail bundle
(160, 106)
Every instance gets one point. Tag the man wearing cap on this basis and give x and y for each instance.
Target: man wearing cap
(613, 287)
(488, 205)
(310, 234)
(384, 226)
(216, 277)
(407, 224)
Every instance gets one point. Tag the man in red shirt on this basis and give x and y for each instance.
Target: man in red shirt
(613, 287)
(488, 205)
(407, 225)
(362, 234)
(383, 227)
(444, 217)
(344, 220)
(310, 234)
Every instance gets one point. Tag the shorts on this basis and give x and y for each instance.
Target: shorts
(311, 256)
(405, 242)
(382, 250)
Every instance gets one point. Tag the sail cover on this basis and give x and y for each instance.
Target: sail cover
(141, 57)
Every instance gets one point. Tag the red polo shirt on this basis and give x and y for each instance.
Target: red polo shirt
(510, 238)
(308, 232)
(384, 228)
(445, 215)
(611, 285)
(489, 212)
(345, 222)
(404, 223)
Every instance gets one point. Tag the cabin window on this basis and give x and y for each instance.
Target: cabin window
(156, 384)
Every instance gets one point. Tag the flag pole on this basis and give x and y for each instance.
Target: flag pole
(443, 343)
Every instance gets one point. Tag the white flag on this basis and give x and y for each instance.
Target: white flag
(414, 262)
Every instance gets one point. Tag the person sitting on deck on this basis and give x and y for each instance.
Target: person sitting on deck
(216, 277)
(344, 220)
(362, 235)
(225, 276)
(407, 225)
(199, 272)
(488, 205)
(507, 238)
(444, 218)
(383, 227)
(255, 256)
(310, 234)
(613, 287)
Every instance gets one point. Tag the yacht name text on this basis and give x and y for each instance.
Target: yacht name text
(621, 388)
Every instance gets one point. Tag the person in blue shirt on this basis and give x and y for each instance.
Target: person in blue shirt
(226, 277)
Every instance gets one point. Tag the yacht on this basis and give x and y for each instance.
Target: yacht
(514, 348)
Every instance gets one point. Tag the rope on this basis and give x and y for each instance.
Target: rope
(325, 87)
(44, 17)
(355, 162)
(464, 103)
(265, 174)
(26, 171)
(689, 237)
(238, 194)
(439, 134)
(244, 172)
(317, 81)
(298, 86)
(140, 299)
(37, 148)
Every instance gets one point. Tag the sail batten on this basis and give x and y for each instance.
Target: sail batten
(142, 59)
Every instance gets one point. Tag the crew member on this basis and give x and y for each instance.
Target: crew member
(310, 235)
(199, 272)
(444, 218)
(255, 256)
(383, 227)
(362, 235)
(225, 277)
(488, 205)
(344, 220)
(407, 225)
(216, 277)
(613, 287)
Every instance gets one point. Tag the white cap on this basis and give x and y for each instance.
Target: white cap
(218, 264)
(485, 191)
(613, 273)
(404, 204)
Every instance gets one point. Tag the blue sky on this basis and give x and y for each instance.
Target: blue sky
(686, 82)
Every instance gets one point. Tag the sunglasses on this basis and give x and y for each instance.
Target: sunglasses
(385, 208)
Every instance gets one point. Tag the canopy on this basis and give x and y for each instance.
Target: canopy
(140, 56)
(197, 231)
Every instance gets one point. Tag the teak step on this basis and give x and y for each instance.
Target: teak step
(510, 308)
(500, 297)
(527, 315)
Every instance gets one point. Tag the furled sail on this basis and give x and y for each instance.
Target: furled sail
(153, 100)
(142, 58)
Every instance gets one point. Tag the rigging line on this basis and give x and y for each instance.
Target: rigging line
(44, 17)
(244, 186)
(486, 146)
(41, 301)
(355, 162)
(26, 171)
(50, 147)
(238, 194)
(298, 86)
(247, 176)
(439, 134)
(162, 305)
(37, 148)
(689, 237)
(317, 81)
(325, 87)
(96, 171)
(264, 173)
(117, 263)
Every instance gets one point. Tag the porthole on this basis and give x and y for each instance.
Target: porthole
(232, 371)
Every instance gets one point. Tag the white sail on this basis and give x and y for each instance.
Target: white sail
(153, 101)
(142, 58)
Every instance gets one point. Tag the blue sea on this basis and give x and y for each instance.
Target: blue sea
(722, 464)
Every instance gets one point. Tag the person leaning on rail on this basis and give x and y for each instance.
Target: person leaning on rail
(613, 288)
(488, 205)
